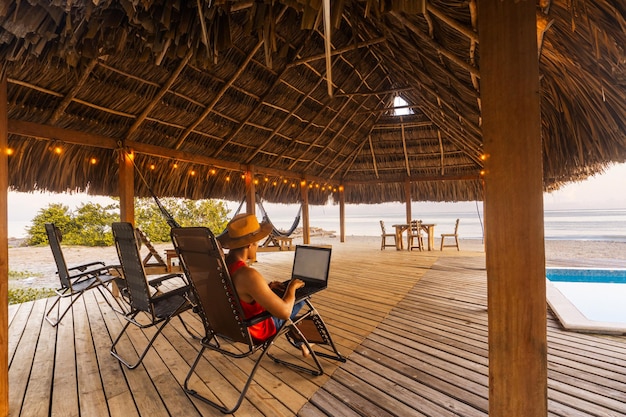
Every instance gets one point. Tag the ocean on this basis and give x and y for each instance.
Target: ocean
(362, 220)
(607, 225)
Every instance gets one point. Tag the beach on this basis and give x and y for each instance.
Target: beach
(38, 270)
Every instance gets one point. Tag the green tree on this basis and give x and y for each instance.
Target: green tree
(92, 225)
(57, 213)
(209, 213)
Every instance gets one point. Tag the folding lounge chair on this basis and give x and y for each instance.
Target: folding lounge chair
(226, 329)
(76, 280)
(159, 307)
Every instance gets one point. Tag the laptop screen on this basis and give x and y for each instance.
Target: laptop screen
(311, 263)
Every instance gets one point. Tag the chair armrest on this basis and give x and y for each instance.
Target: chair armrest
(257, 319)
(176, 291)
(84, 267)
(155, 282)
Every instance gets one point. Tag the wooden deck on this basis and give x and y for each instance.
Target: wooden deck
(413, 325)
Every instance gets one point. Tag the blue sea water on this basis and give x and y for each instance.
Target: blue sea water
(363, 220)
(607, 225)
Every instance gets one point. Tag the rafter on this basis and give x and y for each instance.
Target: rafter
(73, 92)
(157, 97)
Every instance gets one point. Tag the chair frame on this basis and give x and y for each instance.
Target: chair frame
(384, 235)
(455, 235)
(221, 313)
(415, 234)
(77, 280)
(160, 307)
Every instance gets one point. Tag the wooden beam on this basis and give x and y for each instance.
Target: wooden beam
(45, 132)
(406, 155)
(466, 177)
(407, 201)
(73, 92)
(127, 185)
(306, 229)
(516, 280)
(337, 51)
(342, 214)
(158, 96)
(327, 46)
(4, 248)
(369, 139)
(440, 49)
(209, 108)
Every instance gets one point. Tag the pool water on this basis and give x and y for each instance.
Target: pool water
(599, 294)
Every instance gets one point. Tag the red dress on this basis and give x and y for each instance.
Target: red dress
(260, 331)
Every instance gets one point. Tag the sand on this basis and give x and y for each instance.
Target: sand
(39, 269)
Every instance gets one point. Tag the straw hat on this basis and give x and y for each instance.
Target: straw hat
(243, 230)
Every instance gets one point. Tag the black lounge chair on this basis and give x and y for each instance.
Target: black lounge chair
(76, 280)
(226, 329)
(159, 307)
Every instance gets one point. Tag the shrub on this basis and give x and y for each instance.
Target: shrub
(22, 295)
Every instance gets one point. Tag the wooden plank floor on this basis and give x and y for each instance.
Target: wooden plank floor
(413, 325)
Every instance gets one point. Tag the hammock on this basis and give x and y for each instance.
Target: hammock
(172, 223)
(275, 231)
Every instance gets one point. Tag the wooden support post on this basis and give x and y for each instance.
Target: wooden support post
(127, 186)
(342, 215)
(4, 249)
(515, 254)
(250, 191)
(407, 199)
(306, 230)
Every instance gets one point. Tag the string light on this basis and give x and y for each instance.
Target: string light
(274, 183)
(175, 165)
(152, 167)
(227, 178)
(212, 171)
(58, 150)
(192, 172)
(266, 179)
(341, 188)
(9, 151)
(256, 181)
(93, 161)
(303, 183)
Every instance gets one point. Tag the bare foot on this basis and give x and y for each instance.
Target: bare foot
(305, 350)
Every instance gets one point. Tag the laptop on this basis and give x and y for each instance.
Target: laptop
(311, 264)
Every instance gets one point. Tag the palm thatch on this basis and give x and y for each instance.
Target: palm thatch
(204, 91)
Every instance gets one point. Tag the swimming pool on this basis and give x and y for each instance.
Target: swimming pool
(588, 299)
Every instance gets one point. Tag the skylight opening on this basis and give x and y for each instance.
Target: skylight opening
(401, 107)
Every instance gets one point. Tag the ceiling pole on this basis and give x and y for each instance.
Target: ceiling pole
(250, 198)
(4, 249)
(342, 214)
(127, 185)
(515, 253)
(327, 47)
(306, 230)
(407, 200)
(250, 190)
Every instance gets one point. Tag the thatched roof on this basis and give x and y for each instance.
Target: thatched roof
(239, 84)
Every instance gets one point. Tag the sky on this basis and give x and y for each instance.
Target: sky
(605, 191)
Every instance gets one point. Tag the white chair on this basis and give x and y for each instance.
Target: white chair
(415, 235)
(385, 235)
(455, 235)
